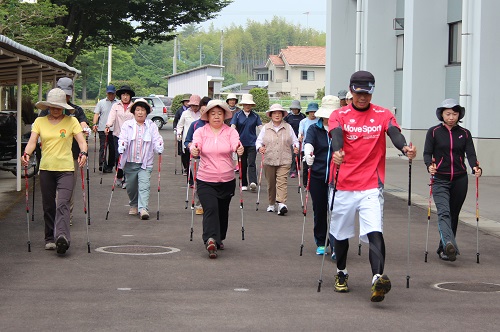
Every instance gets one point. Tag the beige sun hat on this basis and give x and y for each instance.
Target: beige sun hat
(55, 98)
(329, 104)
(217, 103)
(231, 96)
(274, 108)
(140, 102)
(348, 95)
(247, 98)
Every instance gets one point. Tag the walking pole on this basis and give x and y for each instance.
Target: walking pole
(477, 216)
(114, 184)
(320, 281)
(176, 148)
(260, 181)
(159, 173)
(300, 185)
(104, 157)
(409, 220)
(88, 192)
(87, 222)
(187, 184)
(428, 217)
(27, 206)
(241, 201)
(34, 182)
(192, 199)
(95, 147)
(305, 208)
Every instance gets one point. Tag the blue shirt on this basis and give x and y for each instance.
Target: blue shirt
(304, 125)
(246, 126)
(192, 128)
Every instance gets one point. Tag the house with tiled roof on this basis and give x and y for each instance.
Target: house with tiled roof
(297, 71)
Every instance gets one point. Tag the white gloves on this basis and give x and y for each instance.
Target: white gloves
(309, 160)
(309, 154)
(121, 149)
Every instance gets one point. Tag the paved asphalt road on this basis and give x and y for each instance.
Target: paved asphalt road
(259, 284)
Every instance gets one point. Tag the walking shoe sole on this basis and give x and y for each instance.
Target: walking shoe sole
(282, 211)
(62, 245)
(451, 252)
(212, 249)
(381, 287)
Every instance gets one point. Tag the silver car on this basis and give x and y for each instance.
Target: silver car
(159, 111)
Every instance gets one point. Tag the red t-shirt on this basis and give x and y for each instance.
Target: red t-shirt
(364, 146)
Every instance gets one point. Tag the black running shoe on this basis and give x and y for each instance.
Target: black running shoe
(62, 244)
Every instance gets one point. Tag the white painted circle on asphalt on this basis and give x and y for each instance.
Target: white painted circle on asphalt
(127, 248)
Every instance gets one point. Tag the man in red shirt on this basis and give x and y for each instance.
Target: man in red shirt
(358, 139)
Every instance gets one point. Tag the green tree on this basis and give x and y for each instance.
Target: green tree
(320, 93)
(33, 26)
(261, 99)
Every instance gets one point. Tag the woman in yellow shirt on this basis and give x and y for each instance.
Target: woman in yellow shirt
(56, 132)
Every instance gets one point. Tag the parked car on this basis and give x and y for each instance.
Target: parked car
(159, 111)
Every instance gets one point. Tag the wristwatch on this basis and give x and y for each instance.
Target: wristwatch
(83, 153)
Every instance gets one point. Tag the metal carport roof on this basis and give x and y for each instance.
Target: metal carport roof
(23, 65)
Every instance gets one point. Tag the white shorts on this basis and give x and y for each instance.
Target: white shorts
(368, 203)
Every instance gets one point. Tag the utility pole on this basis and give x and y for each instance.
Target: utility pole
(307, 27)
(174, 59)
(110, 56)
(221, 51)
(200, 47)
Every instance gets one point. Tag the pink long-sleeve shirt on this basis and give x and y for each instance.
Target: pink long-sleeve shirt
(117, 116)
(216, 153)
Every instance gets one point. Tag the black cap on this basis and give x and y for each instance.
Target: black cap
(362, 82)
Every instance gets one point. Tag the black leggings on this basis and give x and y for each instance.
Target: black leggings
(376, 252)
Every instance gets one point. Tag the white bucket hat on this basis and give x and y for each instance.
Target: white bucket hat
(274, 108)
(247, 99)
(329, 104)
(231, 96)
(55, 98)
(217, 103)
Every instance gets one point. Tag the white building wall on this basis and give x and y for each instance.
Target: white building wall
(483, 116)
(340, 44)
(378, 48)
(194, 82)
(424, 74)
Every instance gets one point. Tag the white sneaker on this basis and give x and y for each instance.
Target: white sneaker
(50, 246)
(282, 209)
(270, 208)
(253, 186)
(244, 188)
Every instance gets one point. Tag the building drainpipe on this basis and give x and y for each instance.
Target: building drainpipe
(464, 70)
(359, 6)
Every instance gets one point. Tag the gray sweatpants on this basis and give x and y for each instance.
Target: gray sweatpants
(56, 214)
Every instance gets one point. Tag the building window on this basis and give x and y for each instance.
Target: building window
(286, 75)
(262, 77)
(399, 52)
(307, 75)
(271, 78)
(455, 43)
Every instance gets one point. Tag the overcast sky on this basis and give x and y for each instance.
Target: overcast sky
(293, 11)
